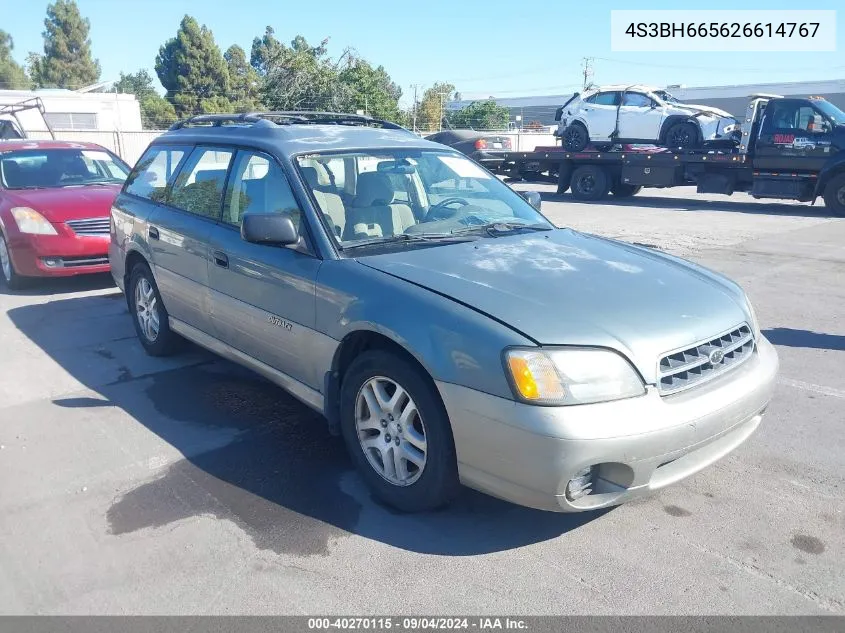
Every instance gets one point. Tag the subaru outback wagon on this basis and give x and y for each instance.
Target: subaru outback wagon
(437, 320)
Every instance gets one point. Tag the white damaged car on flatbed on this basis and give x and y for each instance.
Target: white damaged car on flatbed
(641, 114)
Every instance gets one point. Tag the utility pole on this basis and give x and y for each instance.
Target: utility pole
(415, 86)
(588, 69)
(442, 94)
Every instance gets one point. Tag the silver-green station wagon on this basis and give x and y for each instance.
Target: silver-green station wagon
(436, 319)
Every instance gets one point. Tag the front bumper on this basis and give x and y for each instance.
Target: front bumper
(527, 454)
(60, 255)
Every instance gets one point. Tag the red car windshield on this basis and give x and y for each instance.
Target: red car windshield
(62, 167)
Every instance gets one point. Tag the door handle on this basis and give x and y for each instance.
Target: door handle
(153, 232)
(221, 259)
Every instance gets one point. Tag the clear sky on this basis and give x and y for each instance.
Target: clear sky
(483, 47)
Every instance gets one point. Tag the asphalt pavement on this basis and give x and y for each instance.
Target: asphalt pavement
(134, 485)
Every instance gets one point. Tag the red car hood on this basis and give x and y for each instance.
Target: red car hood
(67, 203)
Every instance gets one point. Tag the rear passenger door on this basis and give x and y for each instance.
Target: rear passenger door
(179, 232)
(263, 296)
(600, 114)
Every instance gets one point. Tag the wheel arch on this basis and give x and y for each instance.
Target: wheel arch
(353, 344)
(672, 119)
(834, 166)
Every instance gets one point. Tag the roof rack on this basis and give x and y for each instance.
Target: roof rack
(33, 103)
(285, 117)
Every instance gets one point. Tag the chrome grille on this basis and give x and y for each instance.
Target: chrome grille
(90, 226)
(691, 366)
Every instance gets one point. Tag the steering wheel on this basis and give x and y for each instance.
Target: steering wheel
(440, 211)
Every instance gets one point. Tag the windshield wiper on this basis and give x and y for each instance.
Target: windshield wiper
(404, 237)
(494, 228)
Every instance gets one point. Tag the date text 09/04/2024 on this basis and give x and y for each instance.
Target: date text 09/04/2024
(417, 623)
(722, 29)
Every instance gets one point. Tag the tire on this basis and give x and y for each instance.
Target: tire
(621, 190)
(8, 273)
(683, 135)
(407, 487)
(141, 284)
(834, 195)
(589, 182)
(575, 137)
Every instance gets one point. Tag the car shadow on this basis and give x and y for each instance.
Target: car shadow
(695, 205)
(788, 337)
(48, 286)
(253, 454)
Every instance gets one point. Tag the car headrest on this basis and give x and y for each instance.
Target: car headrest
(211, 174)
(311, 176)
(374, 189)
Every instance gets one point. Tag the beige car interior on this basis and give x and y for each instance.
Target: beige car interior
(373, 211)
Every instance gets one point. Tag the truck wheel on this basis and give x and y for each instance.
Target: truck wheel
(148, 314)
(621, 190)
(398, 433)
(682, 135)
(834, 195)
(589, 182)
(575, 137)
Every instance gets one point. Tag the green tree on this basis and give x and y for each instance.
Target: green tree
(303, 77)
(431, 108)
(370, 89)
(481, 115)
(12, 74)
(67, 61)
(266, 52)
(244, 81)
(193, 71)
(156, 112)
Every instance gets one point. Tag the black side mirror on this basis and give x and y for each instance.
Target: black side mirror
(269, 228)
(532, 198)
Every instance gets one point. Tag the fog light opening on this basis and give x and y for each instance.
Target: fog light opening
(52, 262)
(580, 485)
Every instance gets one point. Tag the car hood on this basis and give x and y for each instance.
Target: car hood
(567, 288)
(62, 204)
(693, 107)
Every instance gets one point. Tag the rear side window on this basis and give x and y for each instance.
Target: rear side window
(150, 176)
(604, 98)
(258, 185)
(198, 188)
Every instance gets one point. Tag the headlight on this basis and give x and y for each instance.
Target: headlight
(571, 376)
(30, 221)
(755, 324)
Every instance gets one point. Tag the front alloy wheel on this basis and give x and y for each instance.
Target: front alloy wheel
(10, 276)
(391, 431)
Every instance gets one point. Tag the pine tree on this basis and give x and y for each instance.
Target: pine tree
(12, 74)
(67, 61)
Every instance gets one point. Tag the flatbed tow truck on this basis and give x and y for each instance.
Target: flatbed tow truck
(790, 148)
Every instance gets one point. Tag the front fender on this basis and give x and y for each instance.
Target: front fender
(453, 342)
(834, 165)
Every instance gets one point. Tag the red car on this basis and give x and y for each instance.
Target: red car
(55, 203)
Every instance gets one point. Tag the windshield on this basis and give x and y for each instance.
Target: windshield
(666, 96)
(48, 168)
(834, 113)
(391, 195)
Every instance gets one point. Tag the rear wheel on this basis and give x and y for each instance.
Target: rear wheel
(13, 280)
(589, 182)
(149, 315)
(575, 137)
(622, 190)
(398, 433)
(682, 135)
(834, 195)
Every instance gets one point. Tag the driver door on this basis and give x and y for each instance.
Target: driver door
(794, 136)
